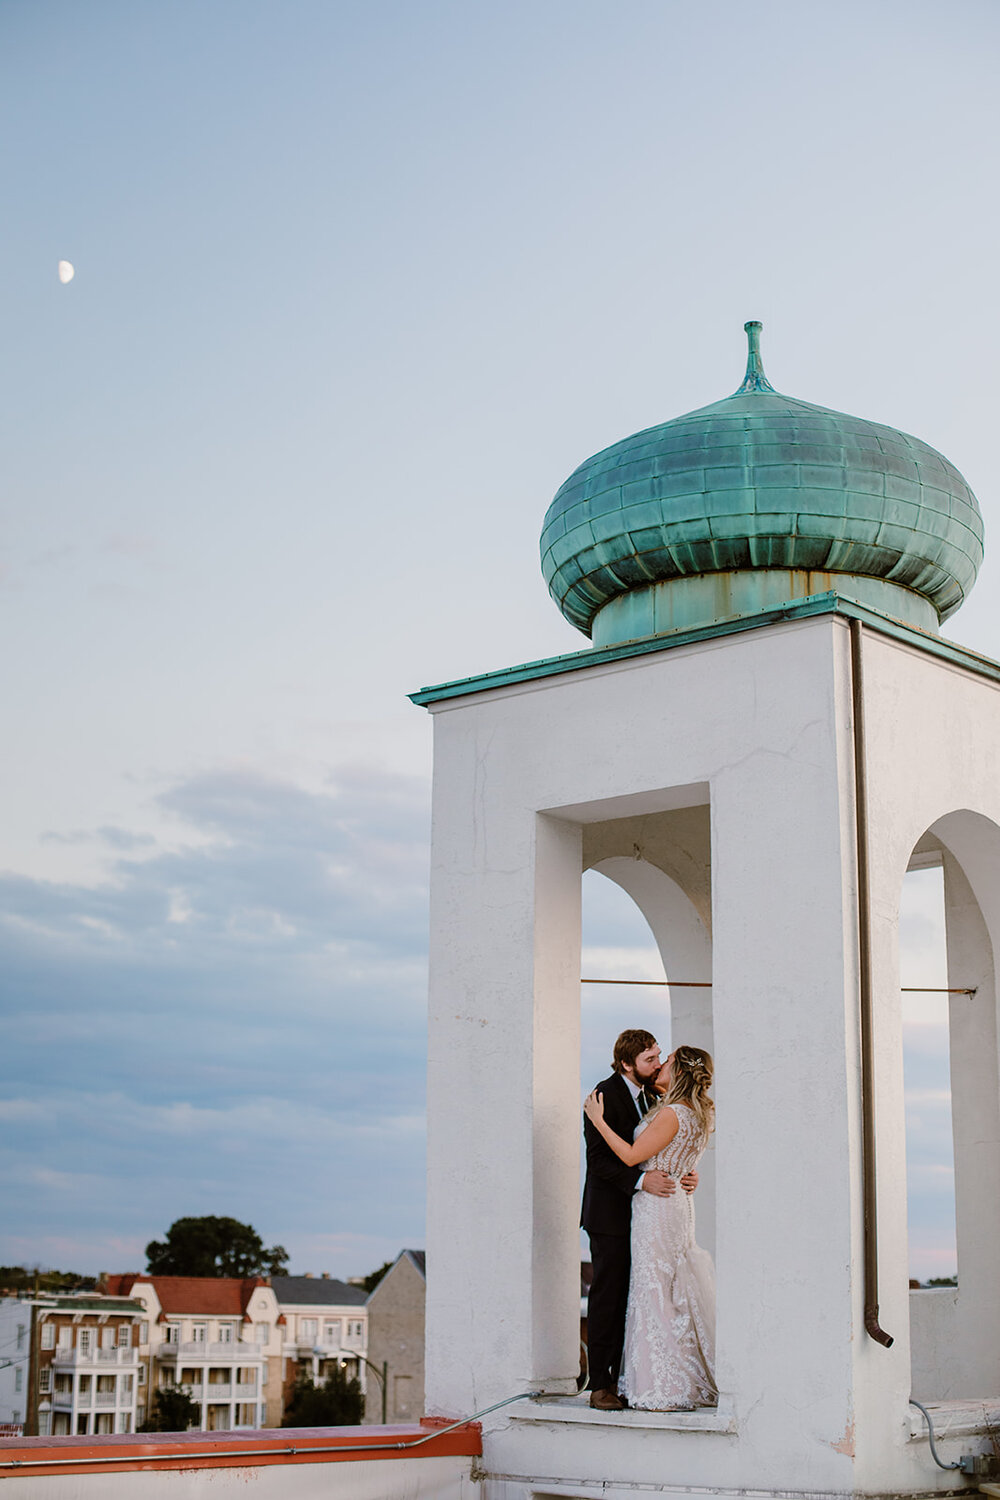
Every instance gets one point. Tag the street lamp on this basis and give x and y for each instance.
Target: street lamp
(383, 1378)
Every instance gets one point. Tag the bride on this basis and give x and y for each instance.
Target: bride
(669, 1359)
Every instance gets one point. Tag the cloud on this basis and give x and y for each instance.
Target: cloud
(232, 1026)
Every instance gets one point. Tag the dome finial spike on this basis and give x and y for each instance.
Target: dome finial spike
(754, 379)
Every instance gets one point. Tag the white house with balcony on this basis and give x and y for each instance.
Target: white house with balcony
(218, 1337)
(325, 1323)
(69, 1364)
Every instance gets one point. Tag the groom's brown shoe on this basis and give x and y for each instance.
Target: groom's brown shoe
(606, 1401)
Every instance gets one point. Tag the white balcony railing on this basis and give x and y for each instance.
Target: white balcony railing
(245, 1392)
(104, 1398)
(214, 1392)
(64, 1357)
(241, 1350)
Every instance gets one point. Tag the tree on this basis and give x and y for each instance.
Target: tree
(338, 1402)
(172, 1410)
(211, 1246)
(373, 1278)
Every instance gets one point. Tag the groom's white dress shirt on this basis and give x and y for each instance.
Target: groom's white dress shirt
(635, 1089)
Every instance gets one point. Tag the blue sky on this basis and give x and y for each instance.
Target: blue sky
(357, 286)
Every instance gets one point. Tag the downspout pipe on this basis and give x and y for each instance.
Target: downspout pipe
(869, 1183)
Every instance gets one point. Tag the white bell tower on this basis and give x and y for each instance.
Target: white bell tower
(758, 768)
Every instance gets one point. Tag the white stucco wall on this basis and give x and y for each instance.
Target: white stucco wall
(758, 727)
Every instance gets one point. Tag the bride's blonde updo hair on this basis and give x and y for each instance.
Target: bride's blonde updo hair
(690, 1080)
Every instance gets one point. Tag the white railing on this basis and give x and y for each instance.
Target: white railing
(217, 1392)
(119, 1356)
(243, 1350)
(245, 1392)
(104, 1398)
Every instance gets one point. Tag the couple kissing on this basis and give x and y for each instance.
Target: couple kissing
(651, 1311)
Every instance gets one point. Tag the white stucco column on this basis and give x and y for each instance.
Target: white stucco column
(503, 1282)
(784, 1003)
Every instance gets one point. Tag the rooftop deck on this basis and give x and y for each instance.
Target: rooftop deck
(340, 1463)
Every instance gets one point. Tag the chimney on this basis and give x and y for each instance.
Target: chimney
(309, 1274)
(326, 1276)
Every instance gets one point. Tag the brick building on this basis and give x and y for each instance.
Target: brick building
(70, 1363)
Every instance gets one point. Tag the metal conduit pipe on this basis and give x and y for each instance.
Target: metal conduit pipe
(930, 1437)
(869, 1182)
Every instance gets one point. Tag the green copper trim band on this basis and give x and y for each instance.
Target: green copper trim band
(802, 609)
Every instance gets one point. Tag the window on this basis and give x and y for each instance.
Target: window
(107, 1338)
(142, 1374)
(105, 1421)
(307, 1329)
(125, 1332)
(172, 1333)
(331, 1331)
(198, 1332)
(144, 1332)
(125, 1417)
(355, 1330)
(19, 1372)
(65, 1336)
(85, 1341)
(262, 1333)
(64, 1383)
(84, 1386)
(82, 1419)
(140, 1416)
(125, 1390)
(44, 1423)
(45, 1375)
(22, 1335)
(48, 1335)
(226, 1330)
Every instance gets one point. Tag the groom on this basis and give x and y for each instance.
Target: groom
(607, 1208)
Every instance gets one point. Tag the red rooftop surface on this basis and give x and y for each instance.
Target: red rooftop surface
(191, 1296)
(25, 1457)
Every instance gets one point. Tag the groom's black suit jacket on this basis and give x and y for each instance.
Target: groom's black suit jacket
(609, 1185)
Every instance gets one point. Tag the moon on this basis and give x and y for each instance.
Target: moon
(66, 271)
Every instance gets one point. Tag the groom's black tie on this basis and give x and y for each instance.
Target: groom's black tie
(644, 1102)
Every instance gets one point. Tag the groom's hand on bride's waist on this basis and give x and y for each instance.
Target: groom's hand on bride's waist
(661, 1185)
(658, 1183)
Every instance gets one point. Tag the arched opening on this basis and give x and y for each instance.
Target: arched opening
(955, 1331)
(645, 933)
(930, 1156)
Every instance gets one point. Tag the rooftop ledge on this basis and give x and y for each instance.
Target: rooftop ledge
(830, 603)
(721, 1418)
(31, 1456)
(953, 1419)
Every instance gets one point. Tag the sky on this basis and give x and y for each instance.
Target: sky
(357, 286)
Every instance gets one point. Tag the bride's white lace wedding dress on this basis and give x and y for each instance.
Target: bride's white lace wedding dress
(669, 1358)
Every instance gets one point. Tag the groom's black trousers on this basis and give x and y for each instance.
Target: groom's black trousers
(611, 1258)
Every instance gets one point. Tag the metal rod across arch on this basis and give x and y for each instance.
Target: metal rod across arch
(706, 984)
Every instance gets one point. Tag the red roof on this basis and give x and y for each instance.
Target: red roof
(192, 1296)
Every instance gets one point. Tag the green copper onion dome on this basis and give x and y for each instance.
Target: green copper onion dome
(751, 502)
